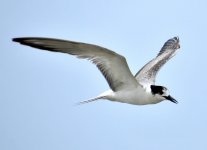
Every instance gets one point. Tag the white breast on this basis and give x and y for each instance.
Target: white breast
(136, 96)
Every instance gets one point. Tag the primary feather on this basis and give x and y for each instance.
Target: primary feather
(112, 65)
(147, 74)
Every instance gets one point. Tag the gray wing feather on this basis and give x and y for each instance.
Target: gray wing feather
(147, 74)
(112, 65)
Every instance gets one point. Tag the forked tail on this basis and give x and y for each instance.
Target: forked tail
(104, 95)
(90, 100)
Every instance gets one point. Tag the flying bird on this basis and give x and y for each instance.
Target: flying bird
(124, 86)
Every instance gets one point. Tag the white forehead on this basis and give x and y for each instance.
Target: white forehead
(166, 91)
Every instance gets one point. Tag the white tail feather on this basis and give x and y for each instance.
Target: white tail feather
(90, 100)
(104, 95)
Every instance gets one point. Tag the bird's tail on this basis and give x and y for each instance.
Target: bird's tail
(103, 95)
(90, 100)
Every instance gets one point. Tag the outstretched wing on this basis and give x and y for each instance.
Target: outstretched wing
(147, 74)
(112, 65)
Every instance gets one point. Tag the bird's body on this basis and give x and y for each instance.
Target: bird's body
(136, 96)
(126, 88)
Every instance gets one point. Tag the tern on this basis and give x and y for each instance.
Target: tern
(124, 86)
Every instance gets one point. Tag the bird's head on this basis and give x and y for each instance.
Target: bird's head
(162, 93)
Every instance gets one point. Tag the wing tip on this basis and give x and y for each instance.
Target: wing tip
(175, 39)
(20, 40)
(16, 39)
(173, 43)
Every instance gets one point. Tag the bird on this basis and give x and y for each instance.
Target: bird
(138, 89)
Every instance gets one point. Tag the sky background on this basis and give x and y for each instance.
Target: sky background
(38, 89)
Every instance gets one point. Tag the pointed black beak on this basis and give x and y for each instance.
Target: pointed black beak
(170, 98)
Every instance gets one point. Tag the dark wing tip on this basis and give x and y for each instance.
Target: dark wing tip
(16, 39)
(25, 41)
(172, 43)
(20, 40)
(30, 41)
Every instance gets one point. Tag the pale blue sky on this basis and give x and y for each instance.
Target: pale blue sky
(39, 88)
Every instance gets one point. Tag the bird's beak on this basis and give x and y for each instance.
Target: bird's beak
(170, 98)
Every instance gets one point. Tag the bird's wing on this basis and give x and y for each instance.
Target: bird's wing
(112, 65)
(147, 74)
